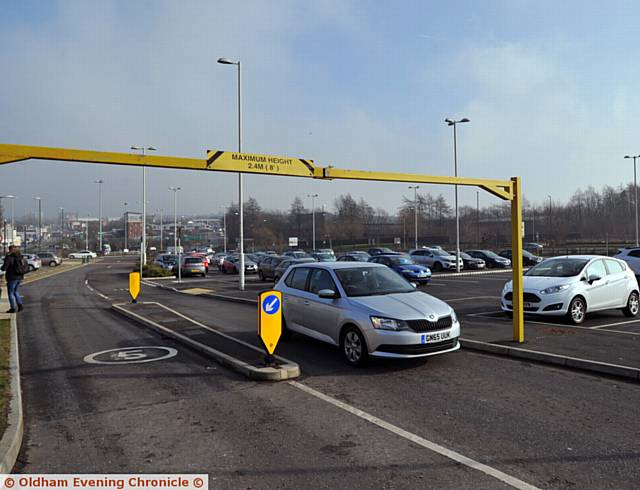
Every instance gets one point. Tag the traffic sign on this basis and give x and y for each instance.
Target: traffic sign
(270, 319)
(134, 285)
(231, 161)
(293, 241)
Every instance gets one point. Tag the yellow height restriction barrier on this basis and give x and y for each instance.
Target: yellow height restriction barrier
(225, 161)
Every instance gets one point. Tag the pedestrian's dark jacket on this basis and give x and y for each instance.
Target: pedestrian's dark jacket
(10, 267)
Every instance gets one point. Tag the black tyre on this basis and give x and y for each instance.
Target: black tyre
(437, 266)
(354, 347)
(31, 268)
(286, 333)
(53, 263)
(633, 305)
(577, 311)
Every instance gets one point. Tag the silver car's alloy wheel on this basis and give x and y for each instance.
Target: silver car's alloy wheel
(577, 310)
(352, 347)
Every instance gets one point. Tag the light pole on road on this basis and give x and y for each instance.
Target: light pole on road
(454, 123)
(99, 182)
(635, 189)
(313, 219)
(143, 242)
(39, 222)
(415, 210)
(226, 61)
(175, 218)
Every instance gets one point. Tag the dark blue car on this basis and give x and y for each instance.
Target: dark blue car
(404, 266)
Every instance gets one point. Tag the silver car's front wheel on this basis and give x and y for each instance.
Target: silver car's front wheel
(577, 310)
(354, 347)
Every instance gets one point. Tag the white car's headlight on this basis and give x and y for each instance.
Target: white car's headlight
(554, 289)
(454, 317)
(381, 323)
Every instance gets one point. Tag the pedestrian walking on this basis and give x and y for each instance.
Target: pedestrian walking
(15, 266)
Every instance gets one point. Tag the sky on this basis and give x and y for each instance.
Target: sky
(550, 89)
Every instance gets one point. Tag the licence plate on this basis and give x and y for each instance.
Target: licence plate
(527, 305)
(434, 337)
(195, 270)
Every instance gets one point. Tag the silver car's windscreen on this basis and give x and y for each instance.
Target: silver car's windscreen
(558, 267)
(372, 281)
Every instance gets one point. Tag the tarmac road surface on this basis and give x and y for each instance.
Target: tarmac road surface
(381, 426)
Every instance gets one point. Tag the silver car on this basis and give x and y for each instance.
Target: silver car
(574, 285)
(436, 259)
(367, 310)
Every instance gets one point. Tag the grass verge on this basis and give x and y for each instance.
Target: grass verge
(5, 375)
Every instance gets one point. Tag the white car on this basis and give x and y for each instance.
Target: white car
(83, 253)
(632, 257)
(436, 259)
(574, 285)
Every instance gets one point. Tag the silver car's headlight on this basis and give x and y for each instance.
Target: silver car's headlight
(381, 323)
(554, 289)
(454, 317)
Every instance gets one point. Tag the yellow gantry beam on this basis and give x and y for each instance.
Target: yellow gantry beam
(221, 161)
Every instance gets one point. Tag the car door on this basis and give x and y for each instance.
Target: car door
(597, 292)
(419, 257)
(617, 283)
(293, 297)
(322, 314)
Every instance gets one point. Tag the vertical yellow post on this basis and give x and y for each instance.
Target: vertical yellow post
(516, 259)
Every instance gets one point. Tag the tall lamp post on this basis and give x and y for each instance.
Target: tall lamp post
(143, 243)
(454, 123)
(126, 227)
(6, 240)
(224, 227)
(39, 222)
(226, 61)
(478, 218)
(635, 189)
(415, 210)
(313, 219)
(175, 218)
(99, 182)
(161, 226)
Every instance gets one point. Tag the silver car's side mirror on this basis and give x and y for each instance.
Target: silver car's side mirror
(327, 294)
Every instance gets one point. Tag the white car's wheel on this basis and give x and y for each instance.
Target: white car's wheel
(633, 305)
(577, 311)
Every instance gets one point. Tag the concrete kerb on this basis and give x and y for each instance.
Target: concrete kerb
(12, 438)
(287, 370)
(555, 359)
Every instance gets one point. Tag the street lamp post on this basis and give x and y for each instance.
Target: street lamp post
(454, 123)
(161, 226)
(143, 243)
(39, 222)
(478, 218)
(226, 61)
(175, 217)
(224, 227)
(313, 219)
(415, 210)
(126, 227)
(549, 232)
(99, 182)
(635, 189)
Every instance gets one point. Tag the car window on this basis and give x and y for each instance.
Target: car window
(321, 279)
(297, 279)
(597, 269)
(193, 260)
(634, 253)
(419, 253)
(614, 266)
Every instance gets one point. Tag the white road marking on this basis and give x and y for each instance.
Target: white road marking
(615, 324)
(130, 355)
(593, 329)
(416, 439)
(86, 283)
(472, 297)
(455, 280)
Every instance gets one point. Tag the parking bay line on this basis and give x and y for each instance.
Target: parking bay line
(593, 329)
(416, 439)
